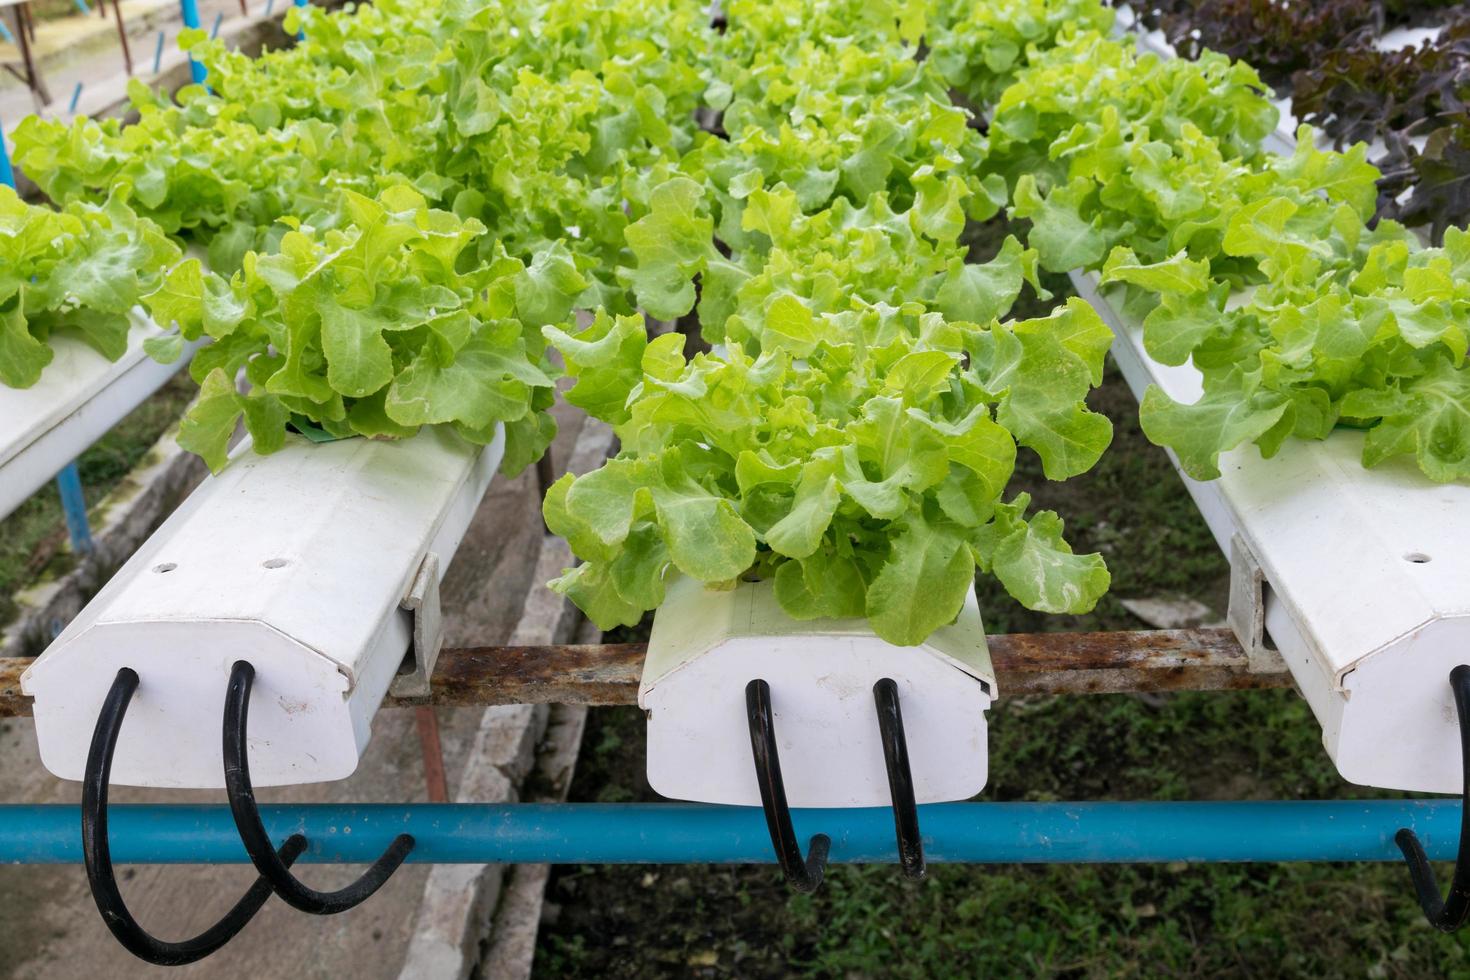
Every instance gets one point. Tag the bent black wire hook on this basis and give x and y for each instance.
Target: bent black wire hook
(803, 874)
(1451, 912)
(252, 829)
(98, 855)
(900, 779)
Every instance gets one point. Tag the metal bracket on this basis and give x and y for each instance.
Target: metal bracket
(1247, 612)
(422, 603)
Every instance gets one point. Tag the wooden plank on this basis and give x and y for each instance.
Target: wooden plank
(1025, 663)
(13, 704)
(594, 673)
(1127, 661)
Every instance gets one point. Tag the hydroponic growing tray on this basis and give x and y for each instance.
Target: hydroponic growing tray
(318, 564)
(1361, 581)
(80, 396)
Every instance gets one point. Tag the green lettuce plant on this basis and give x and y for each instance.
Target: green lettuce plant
(851, 436)
(77, 272)
(381, 324)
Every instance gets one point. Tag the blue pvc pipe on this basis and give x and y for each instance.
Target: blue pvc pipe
(663, 833)
(190, 11)
(74, 507)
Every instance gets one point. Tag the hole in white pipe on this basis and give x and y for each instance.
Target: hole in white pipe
(1418, 558)
(275, 563)
(167, 566)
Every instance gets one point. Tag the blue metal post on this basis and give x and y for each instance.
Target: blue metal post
(190, 11)
(219, 19)
(301, 35)
(7, 175)
(5, 34)
(659, 833)
(76, 94)
(158, 54)
(74, 506)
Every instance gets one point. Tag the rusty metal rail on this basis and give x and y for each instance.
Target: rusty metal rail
(1025, 663)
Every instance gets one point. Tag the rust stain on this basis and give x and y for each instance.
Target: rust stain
(13, 704)
(292, 706)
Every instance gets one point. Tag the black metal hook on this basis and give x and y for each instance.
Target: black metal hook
(900, 779)
(252, 829)
(98, 855)
(1451, 912)
(803, 874)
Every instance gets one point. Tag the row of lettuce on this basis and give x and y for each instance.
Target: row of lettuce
(1339, 64)
(416, 201)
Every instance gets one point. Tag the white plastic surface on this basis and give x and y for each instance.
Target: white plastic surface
(707, 645)
(1368, 575)
(296, 562)
(80, 396)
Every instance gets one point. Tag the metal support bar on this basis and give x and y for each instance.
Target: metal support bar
(1025, 663)
(436, 785)
(677, 833)
(74, 507)
(34, 81)
(122, 32)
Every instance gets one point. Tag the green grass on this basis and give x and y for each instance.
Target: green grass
(1264, 920)
(1281, 920)
(33, 541)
